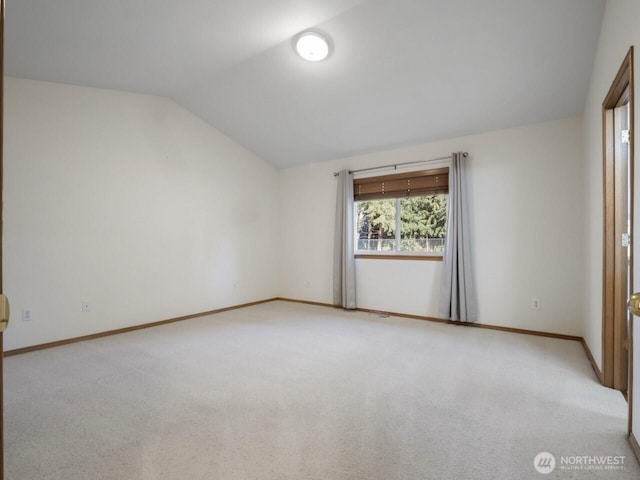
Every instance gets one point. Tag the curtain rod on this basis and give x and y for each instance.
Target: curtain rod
(396, 165)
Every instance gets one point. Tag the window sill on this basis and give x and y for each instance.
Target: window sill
(373, 256)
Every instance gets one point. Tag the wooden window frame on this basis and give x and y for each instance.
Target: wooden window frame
(396, 187)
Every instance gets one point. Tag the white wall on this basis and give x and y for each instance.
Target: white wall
(526, 191)
(620, 30)
(132, 203)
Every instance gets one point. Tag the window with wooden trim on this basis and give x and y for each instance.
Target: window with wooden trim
(402, 213)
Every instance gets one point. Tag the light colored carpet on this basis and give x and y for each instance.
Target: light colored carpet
(286, 391)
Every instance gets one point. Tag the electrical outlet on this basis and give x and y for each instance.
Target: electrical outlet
(535, 303)
(27, 315)
(86, 307)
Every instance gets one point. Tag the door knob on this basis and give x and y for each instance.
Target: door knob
(633, 304)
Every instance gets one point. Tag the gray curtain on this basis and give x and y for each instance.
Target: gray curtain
(344, 264)
(457, 291)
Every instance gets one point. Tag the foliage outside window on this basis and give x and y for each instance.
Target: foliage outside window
(413, 224)
(402, 213)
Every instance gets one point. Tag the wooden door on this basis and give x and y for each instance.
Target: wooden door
(618, 224)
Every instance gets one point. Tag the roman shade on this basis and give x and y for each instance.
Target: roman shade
(398, 185)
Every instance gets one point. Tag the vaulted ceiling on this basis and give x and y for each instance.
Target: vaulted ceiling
(400, 72)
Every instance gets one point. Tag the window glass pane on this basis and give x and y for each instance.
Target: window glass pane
(376, 225)
(423, 223)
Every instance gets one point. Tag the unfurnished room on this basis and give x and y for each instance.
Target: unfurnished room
(319, 240)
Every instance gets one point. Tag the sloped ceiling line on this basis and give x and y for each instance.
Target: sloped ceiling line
(401, 72)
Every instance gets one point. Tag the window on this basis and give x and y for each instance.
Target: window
(401, 214)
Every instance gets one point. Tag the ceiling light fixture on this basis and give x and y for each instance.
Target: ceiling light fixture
(312, 46)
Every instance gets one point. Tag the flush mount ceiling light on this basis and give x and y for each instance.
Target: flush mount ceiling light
(312, 46)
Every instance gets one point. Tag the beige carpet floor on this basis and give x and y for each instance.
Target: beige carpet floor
(287, 391)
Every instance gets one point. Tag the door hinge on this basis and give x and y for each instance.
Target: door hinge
(626, 343)
(625, 137)
(4, 312)
(626, 239)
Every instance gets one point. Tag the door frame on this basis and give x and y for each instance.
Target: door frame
(1, 229)
(615, 339)
(617, 349)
